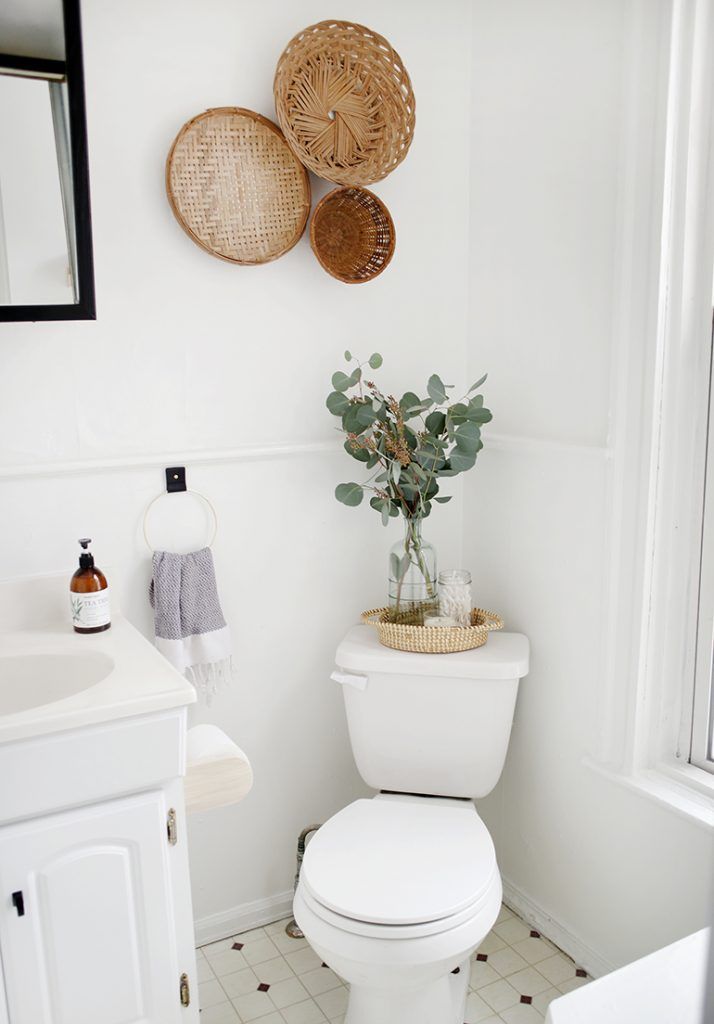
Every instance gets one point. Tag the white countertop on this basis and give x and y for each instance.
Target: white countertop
(34, 619)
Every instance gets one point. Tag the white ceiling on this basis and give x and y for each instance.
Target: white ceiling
(32, 28)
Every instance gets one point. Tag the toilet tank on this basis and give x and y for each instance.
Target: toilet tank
(430, 723)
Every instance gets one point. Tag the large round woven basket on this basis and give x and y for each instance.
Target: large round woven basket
(236, 187)
(352, 234)
(432, 639)
(345, 102)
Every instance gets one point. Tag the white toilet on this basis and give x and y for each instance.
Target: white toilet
(397, 891)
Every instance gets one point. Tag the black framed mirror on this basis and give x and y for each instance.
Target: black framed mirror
(46, 259)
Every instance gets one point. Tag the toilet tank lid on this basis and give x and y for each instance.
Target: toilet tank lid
(503, 656)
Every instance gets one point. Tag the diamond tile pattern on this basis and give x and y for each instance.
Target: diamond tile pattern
(265, 976)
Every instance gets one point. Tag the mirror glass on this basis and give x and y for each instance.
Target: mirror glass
(37, 263)
(45, 235)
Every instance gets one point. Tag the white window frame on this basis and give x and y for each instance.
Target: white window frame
(702, 729)
(659, 415)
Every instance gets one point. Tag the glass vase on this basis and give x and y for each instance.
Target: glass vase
(412, 576)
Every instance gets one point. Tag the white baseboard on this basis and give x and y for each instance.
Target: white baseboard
(558, 933)
(273, 908)
(242, 918)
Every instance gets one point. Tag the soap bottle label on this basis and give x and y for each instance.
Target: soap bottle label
(90, 610)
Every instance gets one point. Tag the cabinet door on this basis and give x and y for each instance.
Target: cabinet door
(91, 938)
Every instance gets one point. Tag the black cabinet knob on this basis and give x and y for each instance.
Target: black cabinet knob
(18, 902)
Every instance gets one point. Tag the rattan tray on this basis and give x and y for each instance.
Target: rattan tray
(235, 186)
(432, 639)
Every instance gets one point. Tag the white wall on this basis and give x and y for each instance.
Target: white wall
(192, 355)
(617, 874)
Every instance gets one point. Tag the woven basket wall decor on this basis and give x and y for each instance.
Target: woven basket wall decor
(345, 102)
(352, 234)
(236, 187)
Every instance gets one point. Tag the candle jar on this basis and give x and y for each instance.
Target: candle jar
(455, 595)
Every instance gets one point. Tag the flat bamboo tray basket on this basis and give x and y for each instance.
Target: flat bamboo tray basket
(345, 102)
(235, 186)
(432, 639)
(352, 235)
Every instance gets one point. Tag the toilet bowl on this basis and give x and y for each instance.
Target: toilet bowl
(396, 894)
(397, 891)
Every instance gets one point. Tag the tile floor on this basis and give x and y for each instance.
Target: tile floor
(267, 977)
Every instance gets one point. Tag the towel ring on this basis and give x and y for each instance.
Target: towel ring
(188, 490)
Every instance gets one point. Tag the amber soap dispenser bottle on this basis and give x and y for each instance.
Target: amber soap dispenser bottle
(89, 594)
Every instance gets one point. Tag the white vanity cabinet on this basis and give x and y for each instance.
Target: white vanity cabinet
(96, 923)
(87, 932)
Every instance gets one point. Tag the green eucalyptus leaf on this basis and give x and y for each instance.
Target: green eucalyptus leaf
(338, 403)
(412, 439)
(366, 414)
(477, 415)
(355, 377)
(349, 494)
(396, 471)
(435, 422)
(468, 436)
(410, 405)
(340, 381)
(437, 389)
(457, 413)
(348, 355)
(430, 460)
(442, 499)
(375, 360)
(478, 383)
(461, 461)
(361, 454)
(351, 422)
(409, 491)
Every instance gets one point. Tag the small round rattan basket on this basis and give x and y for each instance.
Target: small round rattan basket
(352, 234)
(432, 639)
(236, 187)
(345, 102)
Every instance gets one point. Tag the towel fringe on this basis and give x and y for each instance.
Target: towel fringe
(211, 678)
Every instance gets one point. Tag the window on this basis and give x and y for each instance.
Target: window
(655, 728)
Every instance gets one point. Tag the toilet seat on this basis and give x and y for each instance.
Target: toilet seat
(399, 931)
(398, 865)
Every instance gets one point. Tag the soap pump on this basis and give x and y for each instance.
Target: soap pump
(89, 594)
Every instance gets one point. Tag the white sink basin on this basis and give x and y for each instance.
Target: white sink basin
(31, 680)
(53, 679)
